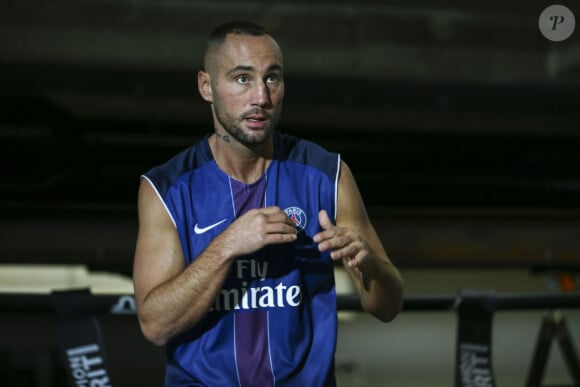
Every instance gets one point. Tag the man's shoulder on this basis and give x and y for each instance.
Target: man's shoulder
(186, 160)
(289, 145)
(303, 151)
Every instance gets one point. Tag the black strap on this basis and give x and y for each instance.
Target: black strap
(553, 327)
(473, 366)
(80, 338)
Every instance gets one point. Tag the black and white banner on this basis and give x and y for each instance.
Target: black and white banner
(80, 339)
(473, 367)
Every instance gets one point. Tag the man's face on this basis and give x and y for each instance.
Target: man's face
(247, 87)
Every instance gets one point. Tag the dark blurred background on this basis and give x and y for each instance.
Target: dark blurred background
(460, 120)
(455, 111)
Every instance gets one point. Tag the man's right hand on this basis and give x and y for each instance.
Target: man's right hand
(257, 228)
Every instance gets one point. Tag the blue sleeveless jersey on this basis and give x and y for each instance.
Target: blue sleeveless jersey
(274, 323)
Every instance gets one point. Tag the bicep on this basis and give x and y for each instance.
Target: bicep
(158, 254)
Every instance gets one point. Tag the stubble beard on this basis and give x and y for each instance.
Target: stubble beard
(233, 126)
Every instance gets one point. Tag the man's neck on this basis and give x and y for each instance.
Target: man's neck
(240, 162)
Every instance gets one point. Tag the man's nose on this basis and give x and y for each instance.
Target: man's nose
(261, 94)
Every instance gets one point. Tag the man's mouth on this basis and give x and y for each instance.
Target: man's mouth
(256, 120)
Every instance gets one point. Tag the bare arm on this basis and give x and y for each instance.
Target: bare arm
(354, 240)
(171, 297)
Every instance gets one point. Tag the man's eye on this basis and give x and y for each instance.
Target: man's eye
(273, 78)
(242, 79)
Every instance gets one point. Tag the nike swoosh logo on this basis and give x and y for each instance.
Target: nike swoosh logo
(199, 230)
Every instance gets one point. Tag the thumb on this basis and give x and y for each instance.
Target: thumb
(324, 220)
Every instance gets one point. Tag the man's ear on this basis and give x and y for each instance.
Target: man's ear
(204, 85)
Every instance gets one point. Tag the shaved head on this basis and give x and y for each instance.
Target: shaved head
(219, 35)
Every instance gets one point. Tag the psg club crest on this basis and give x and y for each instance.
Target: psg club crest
(297, 215)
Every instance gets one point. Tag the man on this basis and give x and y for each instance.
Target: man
(238, 236)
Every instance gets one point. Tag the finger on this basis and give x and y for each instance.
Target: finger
(324, 220)
(356, 260)
(328, 240)
(280, 238)
(281, 228)
(270, 210)
(281, 217)
(272, 214)
(327, 226)
(350, 251)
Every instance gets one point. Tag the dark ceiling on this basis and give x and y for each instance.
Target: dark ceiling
(453, 104)
(449, 104)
